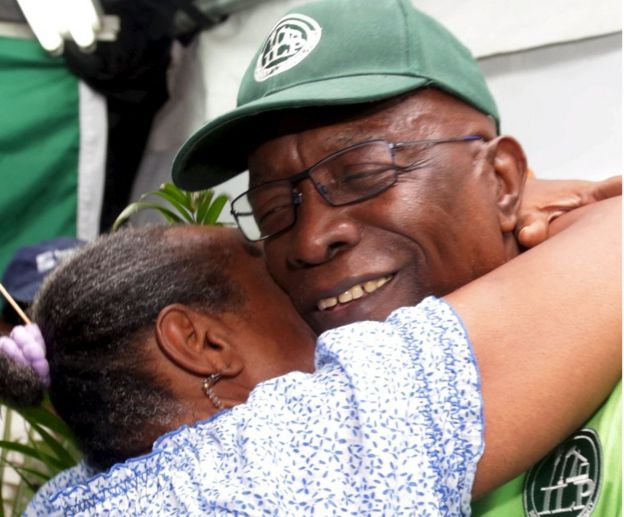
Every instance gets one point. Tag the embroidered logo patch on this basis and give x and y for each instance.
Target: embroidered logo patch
(567, 482)
(290, 42)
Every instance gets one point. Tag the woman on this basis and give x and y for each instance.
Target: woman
(389, 422)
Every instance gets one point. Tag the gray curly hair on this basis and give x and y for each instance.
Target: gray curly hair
(95, 313)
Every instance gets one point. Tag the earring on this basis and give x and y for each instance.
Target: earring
(207, 385)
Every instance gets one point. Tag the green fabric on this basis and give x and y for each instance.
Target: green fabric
(329, 53)
(507, 501)
(39, 144)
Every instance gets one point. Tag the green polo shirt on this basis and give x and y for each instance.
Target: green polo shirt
(580, 478)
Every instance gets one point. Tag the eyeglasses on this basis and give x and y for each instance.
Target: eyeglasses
(351, 175)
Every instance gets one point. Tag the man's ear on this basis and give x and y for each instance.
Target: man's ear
(510, 167)
(197, 342)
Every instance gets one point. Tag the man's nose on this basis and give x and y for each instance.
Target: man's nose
(321, 231)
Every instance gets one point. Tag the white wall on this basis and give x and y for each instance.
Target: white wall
(489, 27)
(564, 104)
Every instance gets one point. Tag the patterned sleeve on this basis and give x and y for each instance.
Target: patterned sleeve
(420, 390)
(40, 503)
(388, 424)
(442, 352)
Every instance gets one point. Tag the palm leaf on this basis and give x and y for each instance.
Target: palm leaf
(203, 205)
(192, 207)
(6, 435)
(20, 472)
(190, 200)
(184, 211)
(174, 192)
(32, 452)
(44, 417)
(137, 206)
(215, 210)
(23, 495)
(43, 476)
(49, 448)
(57, 447)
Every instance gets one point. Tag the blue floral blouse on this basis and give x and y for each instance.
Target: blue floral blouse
(390, 423)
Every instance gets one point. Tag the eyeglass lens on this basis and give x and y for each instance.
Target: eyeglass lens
(349, 176)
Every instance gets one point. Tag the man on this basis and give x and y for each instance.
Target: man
(377, 177)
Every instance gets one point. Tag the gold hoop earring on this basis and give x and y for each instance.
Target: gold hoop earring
(207, 385)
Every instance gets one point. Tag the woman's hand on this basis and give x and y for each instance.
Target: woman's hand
(545, 200)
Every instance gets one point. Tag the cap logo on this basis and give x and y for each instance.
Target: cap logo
(290, 42)
(49, 259)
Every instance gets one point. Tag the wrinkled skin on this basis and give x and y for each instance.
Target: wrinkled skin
(439, 227)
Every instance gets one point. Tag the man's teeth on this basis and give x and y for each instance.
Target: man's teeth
(355, 292)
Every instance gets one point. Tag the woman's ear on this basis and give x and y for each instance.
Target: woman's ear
(510, 167)
(197, 342)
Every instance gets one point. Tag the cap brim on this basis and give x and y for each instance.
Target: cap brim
(218, 151)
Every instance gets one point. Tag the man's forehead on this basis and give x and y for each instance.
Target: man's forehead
(330, 129)
(350, 135)
(429, 103)
(265, 165)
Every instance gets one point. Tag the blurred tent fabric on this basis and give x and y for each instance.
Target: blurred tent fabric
(73, 128)
(51, 143)
(39, 143)
(131, 75)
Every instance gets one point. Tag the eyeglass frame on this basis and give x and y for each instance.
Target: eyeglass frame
(295, 179)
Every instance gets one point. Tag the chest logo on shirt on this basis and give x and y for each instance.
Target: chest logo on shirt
(290, 42)
(567, 482)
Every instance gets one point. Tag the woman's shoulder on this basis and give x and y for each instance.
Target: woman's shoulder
(40, 503)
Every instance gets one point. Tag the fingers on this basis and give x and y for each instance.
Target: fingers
(547, 200)
(533, 229)
(608, 188)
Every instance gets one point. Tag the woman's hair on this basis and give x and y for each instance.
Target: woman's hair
(96, 312)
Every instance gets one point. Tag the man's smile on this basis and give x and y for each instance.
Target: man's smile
(369, 297)
(355, 292)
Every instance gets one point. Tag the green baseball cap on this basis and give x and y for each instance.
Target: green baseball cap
(331, 53)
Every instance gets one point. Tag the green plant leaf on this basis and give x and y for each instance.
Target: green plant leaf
(203, 204)
(198, 207)
(184, 211)
(23, 495)
(176, 193)
(215, 210)
(55, 446)
(6, 435)
(20, 472)
(190, 200)
(44, 476)
(41, 416)
(137, 206)
(32, 452)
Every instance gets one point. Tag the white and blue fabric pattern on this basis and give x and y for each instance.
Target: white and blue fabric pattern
(390, 423)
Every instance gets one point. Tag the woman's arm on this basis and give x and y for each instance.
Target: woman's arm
(546, 329)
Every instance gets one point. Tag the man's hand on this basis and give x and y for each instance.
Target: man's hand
(545, 200)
